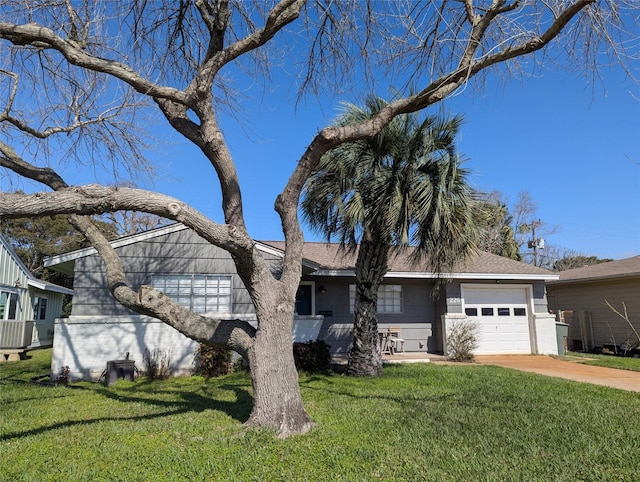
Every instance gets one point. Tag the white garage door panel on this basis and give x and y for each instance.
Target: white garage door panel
(504, 321)
(495, 297)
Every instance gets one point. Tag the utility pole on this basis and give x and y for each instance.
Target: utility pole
(534, 243)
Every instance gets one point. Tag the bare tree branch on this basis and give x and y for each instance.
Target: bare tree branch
(41, 37)
(625, 317)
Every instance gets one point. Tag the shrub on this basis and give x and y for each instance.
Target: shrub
(240, 365)
(212, 361)
(312, 356)
(156, 364)
(462, 340)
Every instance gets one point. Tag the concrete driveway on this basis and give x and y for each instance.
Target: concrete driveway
(552, 367)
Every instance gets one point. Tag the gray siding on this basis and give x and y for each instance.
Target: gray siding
(607, 326)
(540, 303)
(415, 321)
(183, 252)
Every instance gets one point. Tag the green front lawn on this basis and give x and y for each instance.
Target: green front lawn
(417, 422)
(608, 361)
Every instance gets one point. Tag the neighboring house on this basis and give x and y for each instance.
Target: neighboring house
(506, 297)
(28, 306)
(581, 295)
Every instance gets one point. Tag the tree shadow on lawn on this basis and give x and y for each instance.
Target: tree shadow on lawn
(239, 410)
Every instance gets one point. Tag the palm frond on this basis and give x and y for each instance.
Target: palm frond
(404, 186)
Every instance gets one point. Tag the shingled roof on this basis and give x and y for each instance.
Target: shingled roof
(330, 257)
(623, 268)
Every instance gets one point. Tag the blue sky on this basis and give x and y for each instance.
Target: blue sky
(573, 145)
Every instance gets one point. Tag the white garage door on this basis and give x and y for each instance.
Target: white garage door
(503, 316)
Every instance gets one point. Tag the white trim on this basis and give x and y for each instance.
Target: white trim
(475, 276)
(44, 286)
(265, 248)
(269, 250)
(35, 305)
(127, 240)
(313, 297)
(429, 275)
(159, 282)
(352, 299)
(108, 319)
(335, 272)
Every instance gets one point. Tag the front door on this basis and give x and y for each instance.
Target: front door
(303, 300)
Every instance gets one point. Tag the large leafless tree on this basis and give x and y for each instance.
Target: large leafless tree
(77, 75)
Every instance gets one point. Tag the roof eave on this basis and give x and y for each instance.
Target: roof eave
(429, 275)
(116, 243)
(44, 286)
(615, 277)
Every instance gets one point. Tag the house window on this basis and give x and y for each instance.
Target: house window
(8, 305)
(199, 293)
(389, 298)
(40, 308)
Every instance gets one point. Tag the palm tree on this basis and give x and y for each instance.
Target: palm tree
(402, 189)
(495, 221)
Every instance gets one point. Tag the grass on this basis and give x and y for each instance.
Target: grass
(608, 361)
(417, 422)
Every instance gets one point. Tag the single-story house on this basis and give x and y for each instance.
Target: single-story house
(28, 306)
(506, 297)
(580, 295)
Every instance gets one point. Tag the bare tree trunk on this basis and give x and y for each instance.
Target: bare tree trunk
(277, 403)
(365, 358)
